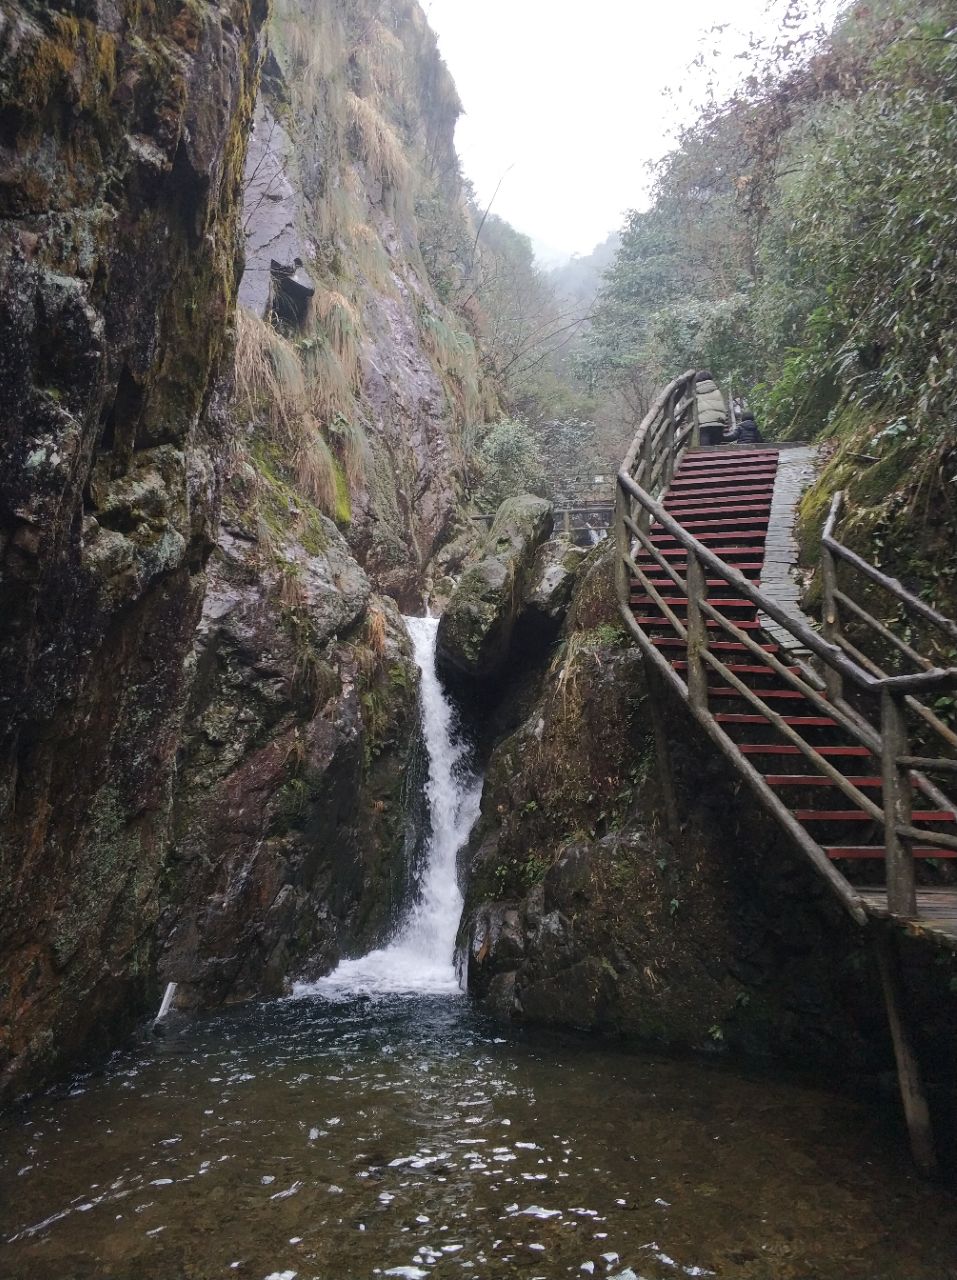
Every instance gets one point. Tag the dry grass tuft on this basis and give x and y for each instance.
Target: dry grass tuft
(376, 143)
(290, 590)
(370, 257)
(353, 444)
(315, 467)
(269, 374)
(376, 630)
(336, 320)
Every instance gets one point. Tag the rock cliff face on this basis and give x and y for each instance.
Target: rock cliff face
(583, 909)
(296, 809)
(123, 142)
(296, 806)
(208, 699)
(353, 195)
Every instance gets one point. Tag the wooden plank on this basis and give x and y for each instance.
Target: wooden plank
(783, 749)
(876, 852)
(891, 585)
(814, 780)
(901, 885)
(714, 626)
(856, 815)
(916, 1111)
(809, 638)
(675, 388)
(726, 645)
(741, 717)
(884, 632)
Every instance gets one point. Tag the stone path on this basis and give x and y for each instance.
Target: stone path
(796, 468)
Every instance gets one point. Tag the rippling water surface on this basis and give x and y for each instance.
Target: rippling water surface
(407, 1136)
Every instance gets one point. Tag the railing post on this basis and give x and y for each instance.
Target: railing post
(644, 515)
(567, 521)
(896, 781)
(668, 470)
(622, 546)
(830, 621)
(696, 424)
(697, 634)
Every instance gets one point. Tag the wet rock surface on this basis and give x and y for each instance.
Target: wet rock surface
(318, 213)
(123, 144)
(477, 627)
(298, 776)
(230, 754)
(584, 910)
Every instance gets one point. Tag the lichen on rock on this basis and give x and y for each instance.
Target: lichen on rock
(476, 629)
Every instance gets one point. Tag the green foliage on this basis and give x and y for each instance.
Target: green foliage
(511, 464)
(878, 220)
(801, 238)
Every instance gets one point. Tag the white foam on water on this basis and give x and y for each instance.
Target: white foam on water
(421, 956)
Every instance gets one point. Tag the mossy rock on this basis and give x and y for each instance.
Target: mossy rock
(476, 629)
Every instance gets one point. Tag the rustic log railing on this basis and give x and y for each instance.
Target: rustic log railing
(841, 672)
(583, 518)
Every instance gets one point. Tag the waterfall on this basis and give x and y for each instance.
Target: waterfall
(420, 956)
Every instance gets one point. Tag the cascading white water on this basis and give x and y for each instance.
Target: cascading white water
(420, 957)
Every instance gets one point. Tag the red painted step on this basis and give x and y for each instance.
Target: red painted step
(741, 623)
(836, 852)
(757, 524)
(716, 584)
(819, 780)
(743, 668)
(698, 490)
(669, 553)
(694, 462)
(729, 481)
(786, 749)
(817, 722)
(671, 641)
(742, 539)
(769, 695)
(681, 602)
(858, 815)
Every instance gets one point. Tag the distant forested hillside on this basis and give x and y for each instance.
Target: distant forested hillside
(802, 237)
(802, 243)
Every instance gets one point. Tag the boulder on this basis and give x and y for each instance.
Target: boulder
(551, 582)
(476, 629)
(297, 793)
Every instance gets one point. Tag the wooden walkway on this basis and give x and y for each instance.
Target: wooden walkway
(936, 912)
(811, 719)
(724, 498)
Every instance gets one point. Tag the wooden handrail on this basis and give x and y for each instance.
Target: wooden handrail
(890, 585)
(647, 469)
(801, 631)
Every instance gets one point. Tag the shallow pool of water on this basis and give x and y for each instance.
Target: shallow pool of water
(407, 1136)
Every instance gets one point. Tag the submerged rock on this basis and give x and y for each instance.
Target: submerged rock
(476, 628)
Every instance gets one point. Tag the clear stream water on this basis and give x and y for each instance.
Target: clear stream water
(376, 1124)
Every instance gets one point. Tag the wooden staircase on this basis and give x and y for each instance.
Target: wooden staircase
(723, 497)
(818, 727)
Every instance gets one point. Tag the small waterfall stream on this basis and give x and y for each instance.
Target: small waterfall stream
(420, 956)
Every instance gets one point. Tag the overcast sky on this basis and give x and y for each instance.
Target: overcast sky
(573, 97)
